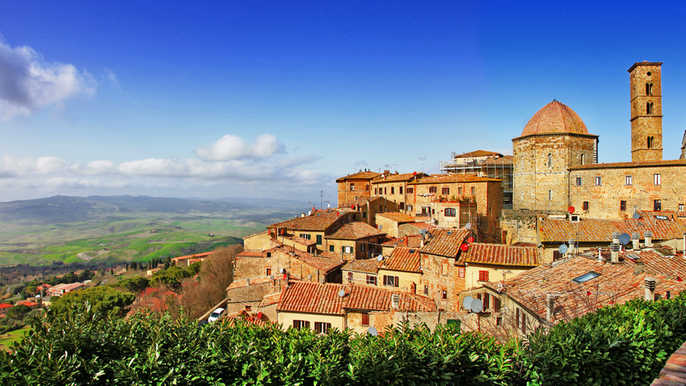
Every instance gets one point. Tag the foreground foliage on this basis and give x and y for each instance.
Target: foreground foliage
(625, 344)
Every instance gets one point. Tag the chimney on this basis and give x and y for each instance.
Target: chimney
(614, 252)
(600, 256)
(615, 237)
(549, 307)
(395, 301)
(649, 239)
(650, 289)
(635, 241)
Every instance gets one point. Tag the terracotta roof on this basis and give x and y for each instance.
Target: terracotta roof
(397, 177)
(27, 303)
(478, 153)
(301, 241)
(270, 299)
(361, 175)
(597, 230)
(194, 256)
(410, 241)
(653, 262)
(397, 216)
(322, 263)
(319, 221)
(247, 282)
(504, 160)
(362, 265)
(445, 242)
(554, 118)
(403, 259)
(450, 178)
(355, 231)
(616, 284)
(249, 253)
(318, 298)
(621, 165)
(501, 254)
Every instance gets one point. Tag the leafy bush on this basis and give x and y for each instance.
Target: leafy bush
(625, 344)
(172, 276)
(134, 284)
(100, 300)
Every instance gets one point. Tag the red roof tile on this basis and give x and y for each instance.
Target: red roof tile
(194, 256)
(355, 231)
(501, 254)
(361, 175)
(362, 265)
(554, 118)
(445, 242)
(320, 221)
(596, 230)
(4, 306)
(449, 178)
(403, 259)
(397, 177)
(410, 241)
(478, 153)
(653, 262)
(379, 299)
(397, 217)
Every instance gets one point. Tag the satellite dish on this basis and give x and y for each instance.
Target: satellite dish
(341, 293)
(636, 215)
(283, 270)
(563, 249)
(372, 331)
(477, 306)
(467, 302)
(379, 258)
(468, 226)
(624, 238)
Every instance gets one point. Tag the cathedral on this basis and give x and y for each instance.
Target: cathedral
(556, 167)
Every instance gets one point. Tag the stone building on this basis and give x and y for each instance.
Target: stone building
(484, 163)
(355, 240)
(393, 187)
(354, 186)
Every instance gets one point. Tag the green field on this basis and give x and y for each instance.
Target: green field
(135, 237)
(7, 339)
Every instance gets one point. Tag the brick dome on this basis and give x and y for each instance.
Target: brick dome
(555, 117)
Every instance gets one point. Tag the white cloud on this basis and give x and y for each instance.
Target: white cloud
(28, 82)
(231, 147)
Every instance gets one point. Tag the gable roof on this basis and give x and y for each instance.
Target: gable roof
(319, 221)
(445, 242)
(403, 259)
(598, 230)
(361, 175)
(653, 262)
(324, 298)
(354, 231)
(397, 217)
(362, 265)
(451, 178)
(397, 177)
(500, 254)
(478, 153)
(615, 284)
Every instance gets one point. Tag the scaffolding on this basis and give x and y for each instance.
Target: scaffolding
(500, 166)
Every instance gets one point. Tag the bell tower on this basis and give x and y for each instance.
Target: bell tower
(646, 111)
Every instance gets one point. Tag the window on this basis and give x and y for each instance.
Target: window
(473, 190)
(459, 191)
(657, 205)
(499, 321)
(450, 212)
(385, 190)
(650, 142)
(550, 160)
(432, 189)
(410, 190)
(376, 190)
(392, 190)
(445, 191)
(460, 272)
(319, 239)
(365, 319)
(622, 205)
(268, 271)
(681, 207)
(444, 294)
(629, 180)
(483, 275)
(649, 89)
(426, 290)
(322, 327)
(550, 195)
(496, 304)
(371, 280)
(598, 181)
(366, 188)
(586, 277)
(523, 323)
(301, 324)
(400, 190)
(401, 206)
(487, 301)
(391, 281)
(556, 255)
(583, 159)
(656, 179)
(584, 205)
(350, 277)
(649, 108)
(578, 181)
(331, 248)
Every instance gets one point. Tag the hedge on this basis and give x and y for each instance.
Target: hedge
(625, 344)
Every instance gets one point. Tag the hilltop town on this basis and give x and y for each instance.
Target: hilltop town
(503, 244)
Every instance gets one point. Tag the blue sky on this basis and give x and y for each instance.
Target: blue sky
(273, 99)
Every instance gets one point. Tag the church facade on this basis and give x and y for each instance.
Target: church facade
(556, 160)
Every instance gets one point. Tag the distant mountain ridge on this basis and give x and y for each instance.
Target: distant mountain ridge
(59, 209)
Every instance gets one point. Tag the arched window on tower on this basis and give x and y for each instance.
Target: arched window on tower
(583, 159)
(649, 89)
(550, 160)
(650, 142)
(649, 108)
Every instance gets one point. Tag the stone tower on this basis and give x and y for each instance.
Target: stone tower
(646, 111)
(553, 140)
(683, 147)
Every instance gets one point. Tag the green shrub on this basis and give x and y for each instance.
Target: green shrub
(99, 300)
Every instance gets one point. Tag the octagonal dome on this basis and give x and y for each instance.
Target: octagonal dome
(555, 117)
